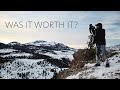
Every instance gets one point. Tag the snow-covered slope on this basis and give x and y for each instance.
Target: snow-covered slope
(28, 69)
(59, 54)
(41, 43)
(115, 48)
(17, 54)
(101, 72)
(53, 49)
(7, 50)
(48, 44)
(33, 60)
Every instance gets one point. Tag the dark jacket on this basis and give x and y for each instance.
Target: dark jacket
(100, 37)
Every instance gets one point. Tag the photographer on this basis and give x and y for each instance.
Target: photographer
(100, 44)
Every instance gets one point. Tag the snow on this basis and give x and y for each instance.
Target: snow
(17, 54)
(41, 43)
(54, 54)
(7, 50)
(60, 54)
(32, 68)
(117, 48)
(28, 66)
(14, 43)
(101, 72)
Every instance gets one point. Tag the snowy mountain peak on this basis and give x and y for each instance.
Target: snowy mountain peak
(14, 43)
(48, 44)
(41, 43)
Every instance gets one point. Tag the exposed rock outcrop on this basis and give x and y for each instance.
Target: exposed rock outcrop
(81, 57)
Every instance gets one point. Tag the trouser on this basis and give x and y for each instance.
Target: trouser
(103, 49)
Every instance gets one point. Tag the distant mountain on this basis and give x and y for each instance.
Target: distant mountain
(34, 59)
(2, 45)
(49, 45)
(14, 43)
(39, 47)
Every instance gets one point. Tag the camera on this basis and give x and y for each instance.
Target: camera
(91, 26)
(91, 29)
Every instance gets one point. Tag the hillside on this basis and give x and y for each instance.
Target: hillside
(33, 60)
(88, 71)
(48, 60)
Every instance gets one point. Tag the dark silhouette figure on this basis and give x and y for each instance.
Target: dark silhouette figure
(92, 29)
(100, 44)
(91, 37)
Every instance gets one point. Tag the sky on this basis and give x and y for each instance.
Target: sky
(24, 26)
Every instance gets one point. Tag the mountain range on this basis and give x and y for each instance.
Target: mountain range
(39, 59)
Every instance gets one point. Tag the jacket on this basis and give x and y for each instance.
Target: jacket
(99, 38)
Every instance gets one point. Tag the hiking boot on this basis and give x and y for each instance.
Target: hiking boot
(108, 65)
(97, 65)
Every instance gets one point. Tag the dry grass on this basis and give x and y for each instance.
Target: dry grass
(81, 57)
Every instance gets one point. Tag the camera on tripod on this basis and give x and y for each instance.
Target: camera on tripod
(91, 37)
(91, 29)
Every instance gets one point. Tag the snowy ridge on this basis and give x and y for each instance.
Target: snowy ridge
(18, 54)
(7, 50)
(42, 43)
(37, 43)
(34, 60)
(101, 72)
(59, 54)
(14, 43)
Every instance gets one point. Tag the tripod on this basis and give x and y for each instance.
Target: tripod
(90, 43)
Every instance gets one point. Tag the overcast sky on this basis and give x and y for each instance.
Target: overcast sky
(75, 37)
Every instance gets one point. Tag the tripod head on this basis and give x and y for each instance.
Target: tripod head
(91, 29)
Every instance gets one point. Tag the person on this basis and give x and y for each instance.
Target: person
(100, 42)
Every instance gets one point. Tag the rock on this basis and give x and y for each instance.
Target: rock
(117, 73)
(81, 57)
(118, 61)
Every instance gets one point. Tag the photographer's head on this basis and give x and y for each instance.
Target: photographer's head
(99, 26)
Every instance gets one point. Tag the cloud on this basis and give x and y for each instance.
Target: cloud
(111, 22)
(74, 37)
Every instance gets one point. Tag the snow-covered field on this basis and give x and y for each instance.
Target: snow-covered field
(32, 68)
(116, 48)
(101, 72)
(60, 54)
(41, 69)
(18, 66)
(17, 54)
(7, 50)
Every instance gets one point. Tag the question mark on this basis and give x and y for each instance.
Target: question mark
(76, 23)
